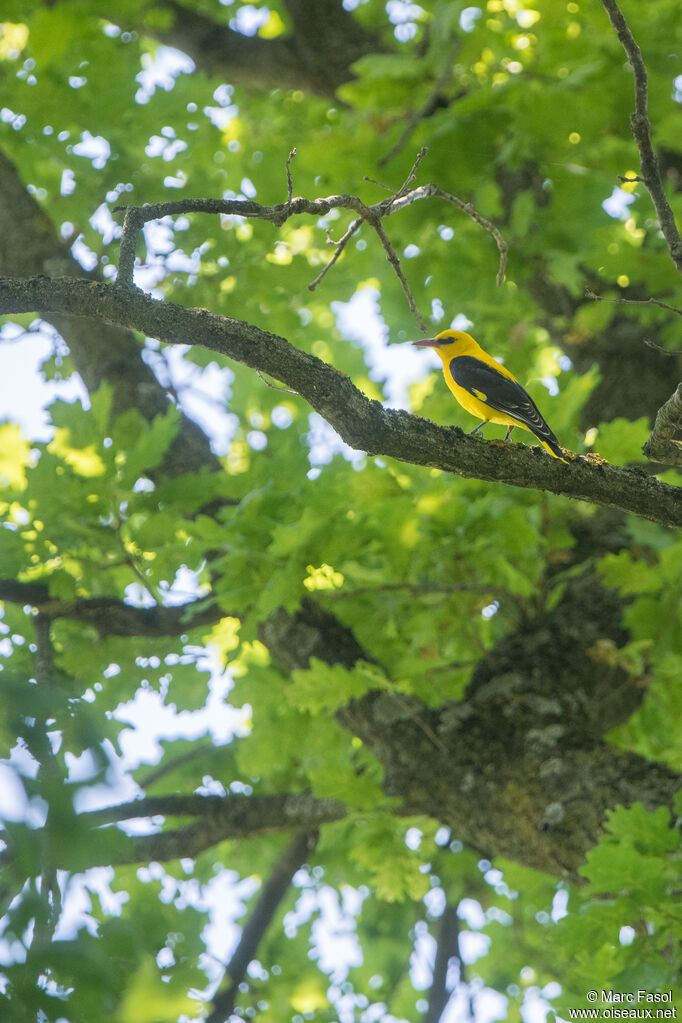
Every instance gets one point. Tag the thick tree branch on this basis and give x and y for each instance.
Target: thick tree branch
(641, 131)
(487, 225)
(519, 767)
(340, 246)
(50, 774)
(446, 949)
(363, 423)
(660, 445)
(218, 818)
(526, 773)
(244, 815)
(531, 791)
(269, 901)
(111, 616)
(235, 816)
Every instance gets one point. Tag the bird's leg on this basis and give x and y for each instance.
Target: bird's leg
(476, 428)
(508, 433)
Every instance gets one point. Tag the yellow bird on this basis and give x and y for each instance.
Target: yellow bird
(486, 388)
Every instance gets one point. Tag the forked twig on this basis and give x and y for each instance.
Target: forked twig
(136, 216)
(483, 222)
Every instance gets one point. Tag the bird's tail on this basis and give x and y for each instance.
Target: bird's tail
(551, 444)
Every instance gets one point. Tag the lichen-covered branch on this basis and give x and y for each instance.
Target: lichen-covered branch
(530, 792)
(234, 817)
(362, 422)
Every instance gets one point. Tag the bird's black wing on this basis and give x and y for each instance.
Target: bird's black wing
(500, 393)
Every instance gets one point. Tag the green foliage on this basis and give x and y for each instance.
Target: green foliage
(651, 580)
(395, 872)
(632, 874)
(621, 440)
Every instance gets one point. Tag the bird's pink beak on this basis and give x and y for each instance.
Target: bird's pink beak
(427, 342)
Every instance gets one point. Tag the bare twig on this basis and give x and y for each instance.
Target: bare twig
(483, 222)
(641, 131)
(340, 246)
(395, 263)
(379, 184)
(441, 669)
(269, 900)
(276, 387)
(136, 217)
(290, 188)
(404, 188)
(660, 445)
(167, 766)
(633, 301)
(658, 348)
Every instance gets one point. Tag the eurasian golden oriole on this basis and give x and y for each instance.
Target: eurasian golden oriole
(486, 388)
